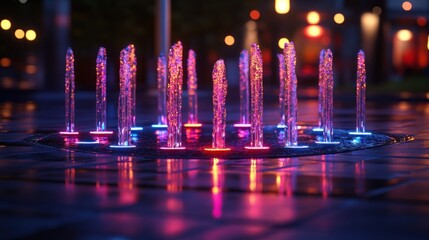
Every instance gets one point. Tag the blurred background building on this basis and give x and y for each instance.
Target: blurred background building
(35, 34)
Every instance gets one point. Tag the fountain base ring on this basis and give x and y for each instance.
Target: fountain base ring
(150, 141)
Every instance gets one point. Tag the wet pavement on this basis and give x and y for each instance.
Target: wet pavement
(375, 193)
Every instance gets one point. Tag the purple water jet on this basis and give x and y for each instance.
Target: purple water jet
(360, 95)
(328, 87)
(132, 62)
(100, 94)
(256, 89)
(125, 116)
(161, 77)
(319, 128)
(282, 97)
(291, 98)
(220, 88)
(174, 97)
(192, 91)
(244, 89)
(69, 91)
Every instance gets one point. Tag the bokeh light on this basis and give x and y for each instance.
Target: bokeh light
(30, 69)
(339, 18)
(5, 24)
(313, 17)
(254, 14)
(229, 40)
(404, 35)
(421, 21)
(282, 6)
(19, 33)
(282, 42)
(30, 35)
(313, 31)
(407, 6)
(5, 62)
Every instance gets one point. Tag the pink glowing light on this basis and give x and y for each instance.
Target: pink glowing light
(101, 132)
(69, 93)
(69, 133)
(242, 125)
(256, 148)
(174, 97)
(256, 88)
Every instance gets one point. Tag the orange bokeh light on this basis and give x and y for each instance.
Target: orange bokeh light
(407, 6)
(313, 31)
(5, 62)
(229, 40)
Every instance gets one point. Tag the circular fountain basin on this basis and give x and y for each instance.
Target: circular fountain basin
(150, 143)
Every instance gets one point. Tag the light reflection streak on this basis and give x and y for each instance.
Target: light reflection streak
(127, 191)
(70, 172)
(217, 178)
(360, 177)
(326, 181)
(285, 181)
(174, 175)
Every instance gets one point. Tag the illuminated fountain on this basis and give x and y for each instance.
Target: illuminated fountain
(132, 62)
(282, 143)
(244, 90)
(328, 104)
(360, 95)
(220, 88)
(319, 128)
(100, 91)
(282, 97)
(174, 97)
(125, 116)
(291, 97)
(161, 78)
(256, 89)
(192, 92)
(69, 94)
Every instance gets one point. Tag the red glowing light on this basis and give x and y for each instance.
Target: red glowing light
(421, 21)
(254, 14)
